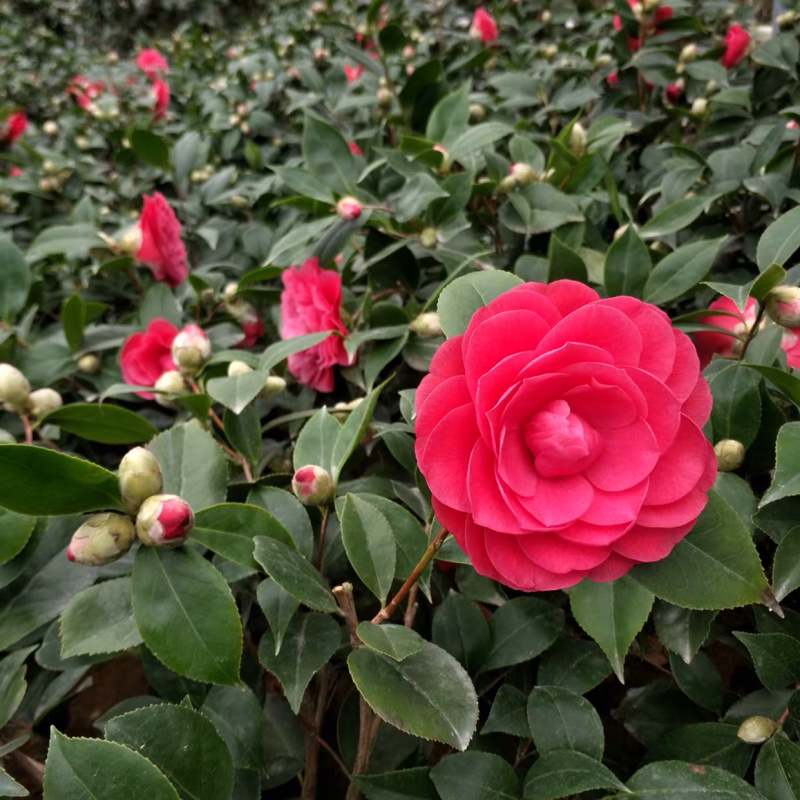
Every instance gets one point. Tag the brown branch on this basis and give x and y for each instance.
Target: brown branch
(344, 597)
(313, 738)
(322, 527)
(411, 606)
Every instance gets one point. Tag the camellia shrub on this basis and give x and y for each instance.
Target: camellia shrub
(399, 401)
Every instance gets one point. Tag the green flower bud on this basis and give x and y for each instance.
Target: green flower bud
(730, 454)
(14, 387)
(428, 238)
(427, 324)
(238, 368)
(783, 306)
(43, 401)
(190, 349)
(139, 478)
(103, 538)
(90, 364)
(577, 139)
(172, 383)
(273, 386)
(757, 730)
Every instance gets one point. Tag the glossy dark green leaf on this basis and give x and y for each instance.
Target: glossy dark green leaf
(461, 298)
(575, 664)
(786, 566)
(681, 630)
(9, 787)
(627, 265)
(776, 657)
(777, 773)
(475, 776)
(151, 148)
(780, 240)
(405, 784)
(714, 743)
(699, 680)
(73, 320)
(237, 391)
(675, 217)
(560, 773)
(278, 606)
(186, 614)
(71, 241)
(351, 432)
(681, 781)
(563, 720)
(15, 278)
(102, 423)
(736, 413)
(786, 482)
(508, 713)
(243, 431)
(395, 641)
(15, 531)
(12, 682)
(460, 628)
(289, 511)
(328, 156)
(681, 270)
(316, 442)
(564, 262)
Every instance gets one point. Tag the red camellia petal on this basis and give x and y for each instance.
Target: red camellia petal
(161, 248)
(145, 357)
(559, 435)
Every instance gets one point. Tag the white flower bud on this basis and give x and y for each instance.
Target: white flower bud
(139, 478)
(428, 238)
(190, 349)
(384, 97)
(238, 368)
(688, 53)
(757, 730)
(476, 112)
(89, 363)
(273, 386)
(699, 106)
(577, 139)
(730, 454)
(603, 60)
(14, 387)
(172, 383)
(522, 173)
(129, 241)
(50, 128)
(103, 538)
(427, 324)
(43, 401)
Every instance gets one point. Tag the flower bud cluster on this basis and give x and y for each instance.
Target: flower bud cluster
(156, 519)
(16, 394)
(272, 387)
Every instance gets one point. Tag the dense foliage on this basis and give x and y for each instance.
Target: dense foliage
(240, 246)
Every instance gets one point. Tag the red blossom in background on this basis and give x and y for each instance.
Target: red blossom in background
(355, 149)
(252, 327)
(483, 26)
(160, 97)
(661, 14)
(152, 63)
(673, 93)
(13, 127)
(161, 248)
(737, 40)
(83, 90)
(145, 357)
(560, 436)
(310, 302)
(352, 73)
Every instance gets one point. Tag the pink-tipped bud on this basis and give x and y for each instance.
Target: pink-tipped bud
(43, 401)
(348, 208)
(445, 157)
(164, 520)
(14, 387)
(522, 173)
(139, 478)
(313, 486)
(783, 306)
(730, 454)
(190, 349)
(103, 538)
(757, 730)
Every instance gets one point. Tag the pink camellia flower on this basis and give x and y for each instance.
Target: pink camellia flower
(160, 93)
(152, 63)
(15, 172)
(710, 342)
(673, 92)
(164, 520)
(483, 27)
(161, 248)
(560, 436)
(352, 73)
(357, 151)
(83, 90)
(13, 127)
(737, 40)
(612, 79)
(145, 357)
(310, 302)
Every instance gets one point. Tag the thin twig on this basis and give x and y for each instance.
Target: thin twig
(335, 756)
(411, 606)
(322, 527)
(344, 597)
(313, 738)
(26, 425)
(366, 736)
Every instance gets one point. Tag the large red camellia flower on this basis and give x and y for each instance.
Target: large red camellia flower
(483, 26)
(737, 40)
(152, 63)
(161, 248)
(710, 342)
(310, 302)
(560, 436)
(145, 357)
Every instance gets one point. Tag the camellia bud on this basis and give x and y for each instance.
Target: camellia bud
(508, 184)
(172, 383)
(522, 173)
(427, 324)
(689, 53)
(43, 401)
(783, 306)
(603, 60)
(139, 478)
(427, 238)
(757, 730)
(549, 51)
(348, 208)
(82, 143)
(190, 349)
(129, 241)
(230, 291)
(238, 368)
(699, 106)
(273, 386)
(164, 520)
(730, 454)
(547, 17)
(313, 486)
(103, 538)
(577, 139)
(409, 53)
(14, 387)
(651, 5)
(50, 128)
(341, 411)
(786, 19)
(90, 364)
(476, 112)
(384, 97)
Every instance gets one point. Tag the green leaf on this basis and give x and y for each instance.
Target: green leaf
(91, 769)
(682, 630)
(183, 744)
(627, 265)
(508, 713)
(564, 262)
(575, 664)
(15, 531)
(15, 279)
(449, 117)
(294, 573)
(395, 641)
(464, 296)
(317, 441)
(151, 148)
(71, 241)
(230, 528)
(186, 614)
(310, 640)
(12, 682)
(243, 431)
(776, 657)
(284, 745)
(280, 351)
(786, 566)
(767, 280)
(714, 566)
(736, 413)
(612, 613)
(328, 155)
(699, 680)
(351, 432)
(780, 240)
(477, 137)
(237, 391)
(99, 620)
(193, 465)
(64, 484)
(563, 720)
(405, 784)
(278, 606)
(675, 217)
(289, 511)
(304, 183)
(680, 270)
(427, 694)
(9, 787)
(566, 772)
(786, 482)
(475, 776)
(416, 196)
(678, 780)
(103, 423)
(73, 320)
(369, 544)
(714, 743)
(520, 630)
(236, 714)
(460, 628)
(777, 773)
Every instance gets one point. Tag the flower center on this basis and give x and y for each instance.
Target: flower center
(561, 442)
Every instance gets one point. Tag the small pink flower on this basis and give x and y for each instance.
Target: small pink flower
(737, 40)
(792, 124)
(483, 27)
(15, 172)
(352, 73)
(152, 63)
(355, 149)
(160, 97)
(348, 208)
(673, 92)
(252, 327)
(161, 248)
(83, 90)
(190, 349)
(612, 79)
